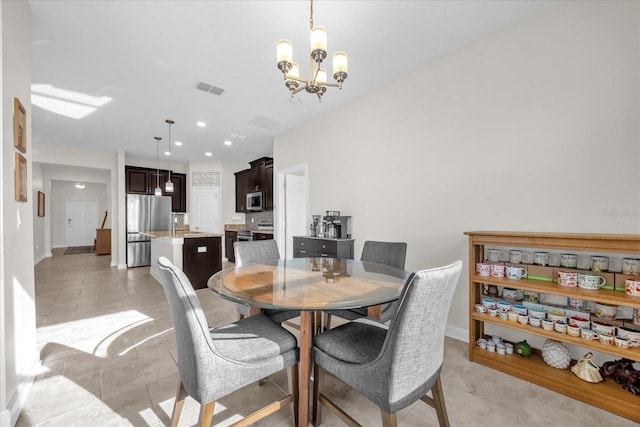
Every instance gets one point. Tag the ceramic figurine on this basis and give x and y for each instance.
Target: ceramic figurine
(556, 354)
(587, 370)
(523, 349)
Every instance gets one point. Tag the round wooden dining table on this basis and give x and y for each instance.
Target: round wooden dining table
(311, 285)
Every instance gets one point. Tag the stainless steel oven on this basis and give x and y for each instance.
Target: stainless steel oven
(244, 236)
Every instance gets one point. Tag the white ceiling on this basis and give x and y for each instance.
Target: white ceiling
(147, 57)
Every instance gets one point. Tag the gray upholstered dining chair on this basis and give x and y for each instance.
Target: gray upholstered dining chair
(392, 254)
(213, 363)
(397, 365)
(260, 251)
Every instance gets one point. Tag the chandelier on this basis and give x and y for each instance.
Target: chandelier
(317, 82)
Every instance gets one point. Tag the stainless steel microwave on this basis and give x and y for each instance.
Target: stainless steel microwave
(255, 201)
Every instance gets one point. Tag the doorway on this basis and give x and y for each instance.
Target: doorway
(294, 206)
(82, 221)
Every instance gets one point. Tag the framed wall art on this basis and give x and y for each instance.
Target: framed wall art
(21, 178)
(19, 126)
(40, 203)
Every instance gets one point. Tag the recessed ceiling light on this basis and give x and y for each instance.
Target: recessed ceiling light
(227, 142)
(208, 154)
(167, 153)
(201, 124)
(178, 143)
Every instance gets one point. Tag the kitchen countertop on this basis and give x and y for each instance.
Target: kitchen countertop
(336, 239)
(234, 227)
(180, 234)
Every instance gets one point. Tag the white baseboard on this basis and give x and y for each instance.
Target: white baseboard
(41, 257)
(457, 333)
(20, 396)
(122, 266)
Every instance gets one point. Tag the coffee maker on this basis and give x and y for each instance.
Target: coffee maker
(313, 228)
(337, 226)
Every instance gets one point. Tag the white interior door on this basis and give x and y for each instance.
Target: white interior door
(205, 209)
(295, 220)
(82, 221)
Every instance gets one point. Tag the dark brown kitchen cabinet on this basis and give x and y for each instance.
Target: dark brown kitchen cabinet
(268, 187)
(229, 238)
(140, 180)
(304, 247)
(257, 178)
(201, 259)
(243, 180)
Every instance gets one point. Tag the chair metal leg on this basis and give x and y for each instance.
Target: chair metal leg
(389, 420)
(206, 413)
(318, 386)
(181, 394)
(292, 377)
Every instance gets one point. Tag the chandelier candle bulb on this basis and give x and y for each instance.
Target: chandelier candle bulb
(284, 54)
(321, 77)
(340, 66)
(318, 43)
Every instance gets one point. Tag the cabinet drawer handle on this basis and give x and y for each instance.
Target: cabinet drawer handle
(324, 255)
(301, 244)
(303, 252)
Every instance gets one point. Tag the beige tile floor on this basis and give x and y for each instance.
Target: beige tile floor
(108, 359)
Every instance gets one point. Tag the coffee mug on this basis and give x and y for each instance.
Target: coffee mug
(523, 318)
(516, 273)
(504, 306)
(590, 281)
(576, 303)
(497, 270)
(568, 260)
(519, 308)
(513, 316)
(517, 256)
(631, 266)
(599, 263)
(605, 311)
(535, 321)
(508, 348)
(537, 314)
(489, 303)
(493, 255)
(541, 258)
(632, 287)
(503, 315)
(491, 346)
(482, 343)
(481, 308)
(588, 334)
(621, 342)
(483, 269)
(567, 278)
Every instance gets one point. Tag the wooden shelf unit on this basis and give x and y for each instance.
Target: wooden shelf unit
(606, 395)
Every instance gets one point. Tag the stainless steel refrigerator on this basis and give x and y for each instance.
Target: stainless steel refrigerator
(144, 214)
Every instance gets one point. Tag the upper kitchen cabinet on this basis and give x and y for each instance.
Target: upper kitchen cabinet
(140, 180)
(258, 178)
(243, 182)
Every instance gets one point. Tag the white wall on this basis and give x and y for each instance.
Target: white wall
(18, 352)
(534, 128)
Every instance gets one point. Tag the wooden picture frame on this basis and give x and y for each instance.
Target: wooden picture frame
(40, 203)
(21, 178)
(19, 126)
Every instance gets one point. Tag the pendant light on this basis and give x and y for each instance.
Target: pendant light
(158, 190)
(168, 186)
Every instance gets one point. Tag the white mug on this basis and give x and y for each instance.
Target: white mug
(590, 281)
(483, 269)
(631, 266)
(493, 255)
(568, 260)
(599, 263)
(541, 258)
(516, 273)
(517, 256)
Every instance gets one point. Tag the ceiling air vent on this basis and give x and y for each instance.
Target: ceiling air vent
(209, 88)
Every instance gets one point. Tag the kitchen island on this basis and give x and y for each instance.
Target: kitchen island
(198, 254)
